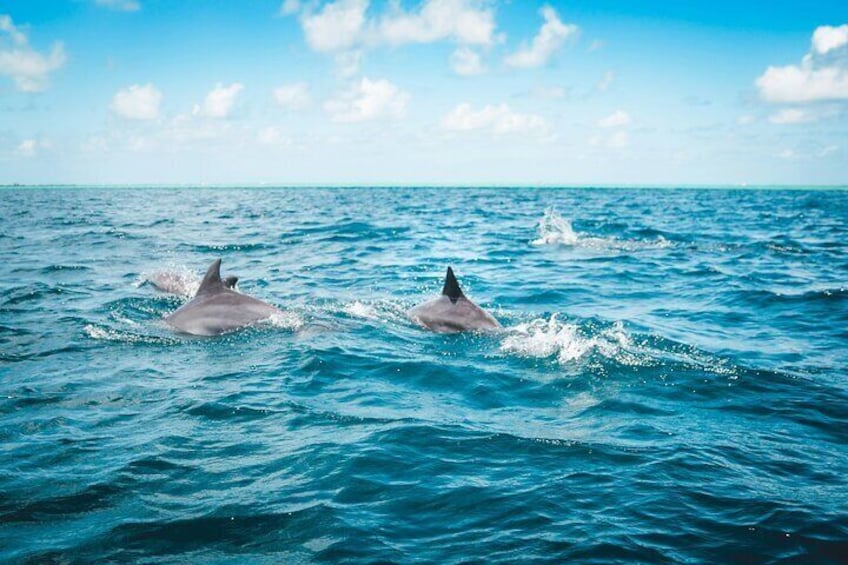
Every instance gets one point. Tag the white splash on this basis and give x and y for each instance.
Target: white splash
(553, 228)
(286, 320)
(542, 338)
(360, 310)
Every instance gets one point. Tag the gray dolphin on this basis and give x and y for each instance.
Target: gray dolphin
(452, 311)
(217, 309)
(181, 284)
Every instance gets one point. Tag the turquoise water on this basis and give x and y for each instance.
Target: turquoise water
(670, 385)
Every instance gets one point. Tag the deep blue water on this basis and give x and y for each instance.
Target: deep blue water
(671, 384)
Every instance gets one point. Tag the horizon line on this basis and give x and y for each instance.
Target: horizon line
(659, 186)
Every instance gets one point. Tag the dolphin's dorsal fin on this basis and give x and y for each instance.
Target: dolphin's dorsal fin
(212, 279)
(230, 282)
(451, 288)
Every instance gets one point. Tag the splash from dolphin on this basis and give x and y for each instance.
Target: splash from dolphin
(452, 312)
(218, 309)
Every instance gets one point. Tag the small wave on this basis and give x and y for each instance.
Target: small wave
(541, 338)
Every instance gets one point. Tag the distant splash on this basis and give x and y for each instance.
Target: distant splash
(543, 338)
(553, 229)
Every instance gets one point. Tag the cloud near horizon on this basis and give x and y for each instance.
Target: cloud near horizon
(29, 69)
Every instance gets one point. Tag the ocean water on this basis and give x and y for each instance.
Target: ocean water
(670, 385)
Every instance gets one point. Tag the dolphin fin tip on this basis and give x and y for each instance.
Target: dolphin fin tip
(451, 288)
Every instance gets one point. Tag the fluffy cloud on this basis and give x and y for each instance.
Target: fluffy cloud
(500, 119)
(822, 74)
(292, 96)
(343, 25)
(220, 101)
(336, 27)
(467, 62)
(619, 118)
(368, 100)
(548, 41)
(27, 67)
(120, 5)
(828, 38)
(466, 22)
(137, 102)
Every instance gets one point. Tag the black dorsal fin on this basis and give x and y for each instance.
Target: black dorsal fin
(230, 282)
(212, 280)
(451, 288)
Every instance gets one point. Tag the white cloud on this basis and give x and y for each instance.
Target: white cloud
(137, 102)
(791, 116)
(289, 7)
(787, 154)
(344, 25)
(820, 76)
(27, 148)
(220, 101)
(548, 41)
(467, 22)
(27, 67)
(828, 38)
(368, 100)
(31, 147)
(500, 119)
(619, 118)
(606, 81)
(338, 26)
(467, 62)
(293, 96)
(803, 83)
(745, 119)
(120, 5)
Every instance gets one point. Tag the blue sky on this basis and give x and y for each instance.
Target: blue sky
(423, 92)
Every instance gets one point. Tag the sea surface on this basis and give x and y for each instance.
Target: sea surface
(671, 384)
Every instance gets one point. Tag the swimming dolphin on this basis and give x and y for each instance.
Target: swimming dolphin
(182, 284)
(217, 309)
(452, 311)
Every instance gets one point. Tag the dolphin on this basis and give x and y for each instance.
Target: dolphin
(217, 309)
(452, 312)
(182, 284)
